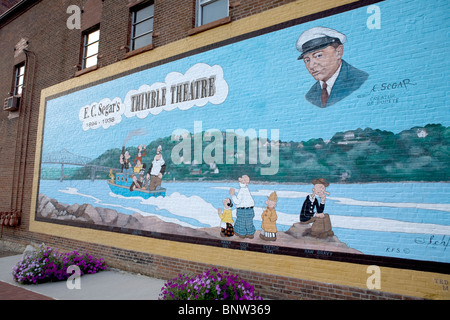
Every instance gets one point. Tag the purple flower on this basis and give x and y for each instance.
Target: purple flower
(47, 264)
(209, 285)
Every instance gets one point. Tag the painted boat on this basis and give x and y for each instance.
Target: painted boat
(121, 186)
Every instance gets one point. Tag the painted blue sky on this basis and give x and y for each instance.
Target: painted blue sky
(267, 85)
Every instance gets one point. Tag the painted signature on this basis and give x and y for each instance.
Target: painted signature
(434, 241)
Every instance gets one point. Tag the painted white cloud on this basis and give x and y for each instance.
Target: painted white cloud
(105, 113)
(201, 84)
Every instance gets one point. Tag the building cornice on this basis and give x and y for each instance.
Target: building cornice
(16, 10)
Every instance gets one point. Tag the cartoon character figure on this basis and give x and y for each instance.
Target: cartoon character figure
(137, 166)
(321, 223)
(136, 184)
(156, 171)
(226, 219)
(138, 159)
(243, 227)
(126, 165)
(111, 175)
(121, 161)
(269, 218)
(311, 202)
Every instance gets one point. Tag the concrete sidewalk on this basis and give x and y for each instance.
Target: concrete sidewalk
(105, 285)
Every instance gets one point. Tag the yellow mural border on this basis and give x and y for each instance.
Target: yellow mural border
(398, 281)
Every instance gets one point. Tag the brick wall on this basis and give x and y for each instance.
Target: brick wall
(241, 9)
(56, 50)
(7, 4)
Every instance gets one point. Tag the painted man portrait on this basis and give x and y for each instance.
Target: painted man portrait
(322, 50)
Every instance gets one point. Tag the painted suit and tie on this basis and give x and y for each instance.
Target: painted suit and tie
(322, 50)
(348, 80)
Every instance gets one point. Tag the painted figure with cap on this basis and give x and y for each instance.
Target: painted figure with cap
(320, 222)
(269, 219)
(322, 50)
(311, 203)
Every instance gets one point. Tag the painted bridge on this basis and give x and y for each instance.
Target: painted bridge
(65, 157)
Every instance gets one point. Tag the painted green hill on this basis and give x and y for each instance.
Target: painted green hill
(361, 155)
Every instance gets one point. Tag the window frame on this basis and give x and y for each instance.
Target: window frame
(19, 86)
(85, 45)
(200, 4)
(134, 10)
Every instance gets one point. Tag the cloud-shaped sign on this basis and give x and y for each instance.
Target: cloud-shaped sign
(105, 113)
(200, 85)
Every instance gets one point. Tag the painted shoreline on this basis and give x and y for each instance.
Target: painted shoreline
(298, 236)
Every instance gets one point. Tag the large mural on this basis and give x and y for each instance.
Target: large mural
(325, 137)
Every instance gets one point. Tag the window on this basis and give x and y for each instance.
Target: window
(18, 79)
(142, 27)
(211, 10)
(90, 48)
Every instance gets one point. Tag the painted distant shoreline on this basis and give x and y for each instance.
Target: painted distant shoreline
(364, 156)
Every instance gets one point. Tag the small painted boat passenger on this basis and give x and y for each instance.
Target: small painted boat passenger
(136, 184)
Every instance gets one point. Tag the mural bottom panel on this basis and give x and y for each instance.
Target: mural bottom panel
(351, 225)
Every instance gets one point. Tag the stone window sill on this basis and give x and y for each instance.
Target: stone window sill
(138, 51)
(86, 70)
(209, 26)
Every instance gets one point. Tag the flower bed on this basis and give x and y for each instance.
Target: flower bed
(209, 285)
(47, 264)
